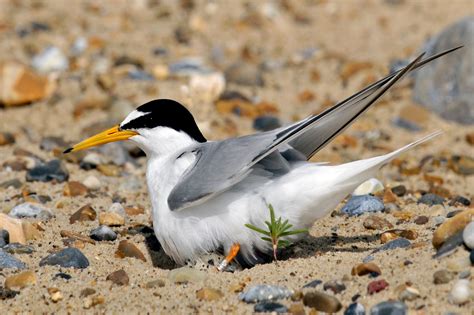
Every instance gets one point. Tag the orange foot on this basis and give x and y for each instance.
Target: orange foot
(234, 250)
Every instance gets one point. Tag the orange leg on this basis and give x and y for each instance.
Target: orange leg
(234, 250)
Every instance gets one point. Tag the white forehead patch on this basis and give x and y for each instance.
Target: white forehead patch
(133, 115)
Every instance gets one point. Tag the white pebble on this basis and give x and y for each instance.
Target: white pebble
(371, 186)
(49, 60)
(92, 182)
(468, 235)
(93, 158)
(461, 292)
(117, 208)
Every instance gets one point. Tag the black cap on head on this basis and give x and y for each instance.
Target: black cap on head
(166, 113)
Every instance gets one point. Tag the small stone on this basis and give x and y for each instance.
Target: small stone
(9, 261)
(92, 301)
(336, 286)
(17, 248)
(21, 280)
(371, 186)
(49, 60)
(209, 294)
(109, 170)
(397, 243)
(85, 213)
(389, 308)
(452, 226)
(7, 293)
(471, 257)
(103, 233)
(62, 275)
(394, 234)
(4, 238)
(374, 222)
(431, 199)
(464, 274)
(6, 138)
(358, 205)
(265, 292)
(399, 190)
(31, 210)
(67, 258)
(459, 264)
(74, 189)
(355, 309)
(442, 276)
(15, 183)
(322, 302)
(55, 294)
(296, 309)
(468, 235)
(407, 293)
(51, 143)
(461, 292)
(111, 219)
(19, 231)
(266, 123)
(450, 245)
(420, 220)
(376, 286)
(136, 210)
(92, 182)
(87, 292)
(186, 274)
(460, 200)
(128, 249)
(366, 268)
(52, 170)
(159, 283)
(463, 165)
(270, 307)
(244, 74)
(313, 284)
(119, 277)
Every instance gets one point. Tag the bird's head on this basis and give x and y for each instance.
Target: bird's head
(156, 127)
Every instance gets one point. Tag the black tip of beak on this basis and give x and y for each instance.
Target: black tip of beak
(67, 150)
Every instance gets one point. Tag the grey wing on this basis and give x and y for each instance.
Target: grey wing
(220, 165)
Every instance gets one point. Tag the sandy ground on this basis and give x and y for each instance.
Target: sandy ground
(343, 31)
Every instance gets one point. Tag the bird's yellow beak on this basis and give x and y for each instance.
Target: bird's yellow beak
(110, 135)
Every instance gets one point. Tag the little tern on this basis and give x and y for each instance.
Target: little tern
(204, 192)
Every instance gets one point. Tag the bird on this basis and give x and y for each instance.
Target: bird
(204, 192)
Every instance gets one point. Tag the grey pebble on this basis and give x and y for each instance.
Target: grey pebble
(17, 248)
(15, 183)
(270, 307)
(52, 170)
(313, 284)
(4, 238)
(389, 308)
(468, 235)
(406, 124)
(442, 276)
(431, 199)
(31, 210)
(69, 257)
(450, 245)
(355, 309)
(9, 261)
(396, 243)
(265, 292)
(103, 233)
(358, 205)
(336, 286)
(266, 123)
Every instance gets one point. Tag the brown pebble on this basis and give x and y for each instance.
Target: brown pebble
(73, 189)
(55, 294)
(119, 277)
(111, 219)
(403, 216)
(442, 276)
(128, 249)
(393, 234)
(365, 269)
(420, 220)
(470, 138)
(209, 294)
(155, 284)
(376, 286)
(92, 301)
(21, 280)
(463, 165)
(374, 222)
(76, 236)
(109, 170)
(297, 309)
(389, 196)
(85, 213)
(136, 210)
(87, 291)
(20, 231)
(452, 226)
(6, 138)
(322, 302)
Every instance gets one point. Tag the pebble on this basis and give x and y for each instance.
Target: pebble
(244, 74)
(371, 186)
(397, 243)
(431, 199)
(52, 170)
(442, 276)
(109, 170)
(355, 309)
(468, 235)
(452, 226)
(406, 124)
(74, 189)
(49, 60)
(6, 138)
(374, 222)
(7, 293)
(111, 219)
(15, 183)
(9, 261)
(459, 264)
(17, 248)
(464, 274)
(19, 230)
(389, 308)
(159, 283)
(55, 294)
(206, 88)
(407, 293)
(128, 249)
(187, 67)
(433, 85)
(209, 294)
(461, 292)
(270, 307)
(266, 123)
(322, 302)
(118, 277)
(51, 143)
(376, 286)
(297, 309)
(420, 220)
(463, 165)
(186, 274)
(460, 200)
(85, 213)
(67, 258)
(399, 190)
(450, 245)
(31, 210)
(471, 257)
(134, 210)
(313, 284)
(4, 238)
(366, 268)
(62, 275)
(358, 205)
(394, 234)
(265, 292)
(103, 233)
(92, 182)
(336, 286)
(92, 160)
(21, 280)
